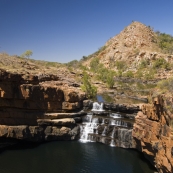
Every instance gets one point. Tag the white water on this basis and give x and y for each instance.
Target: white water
(115, 115)
(113, 133)
(102, 128)
(86, 129)
(104, 131)
(112, 144)
(97, 107)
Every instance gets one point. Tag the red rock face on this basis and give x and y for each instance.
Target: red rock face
(153, 133)
(24, 99)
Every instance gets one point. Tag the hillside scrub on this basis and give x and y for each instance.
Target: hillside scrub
(166, 84)
(90, 90)
(121, 65)
(161, 63)
(94, 64)
(165, 42)
(143, 64)
(128, 74)
(106, 75)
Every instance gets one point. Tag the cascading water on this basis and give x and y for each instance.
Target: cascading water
(110, 128)
(97, 107)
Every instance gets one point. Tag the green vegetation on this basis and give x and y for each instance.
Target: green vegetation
(27, 54)
(161, 63)
(51, 64)
(121, 65)
(110, 79)
(165, 42)
(100, 50)
(128, 74)
(149, 74)
(102, 73)
(73, 64)
(166, 84)
(94, 64)
(106, 75)
(143, 64)
(89, 89)
(139, 74)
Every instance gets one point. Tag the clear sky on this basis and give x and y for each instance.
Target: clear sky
(64, 30)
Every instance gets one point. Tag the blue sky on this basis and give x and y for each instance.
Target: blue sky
(64, 30)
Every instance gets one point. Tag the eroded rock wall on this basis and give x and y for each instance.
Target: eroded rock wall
(37, 107)
(153, 133)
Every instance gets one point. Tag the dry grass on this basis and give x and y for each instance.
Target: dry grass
(16, 64)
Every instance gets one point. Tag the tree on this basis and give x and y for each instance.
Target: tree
(27, 54)
(89, 89)
(110, 79)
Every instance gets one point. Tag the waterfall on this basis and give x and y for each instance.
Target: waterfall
(115, 115)
(94, 129)
(113, 133)
(86, 129)
(97, 107)
(110, 128)
(104, 131)
(112, 144)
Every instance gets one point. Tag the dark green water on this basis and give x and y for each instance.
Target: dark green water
(72, 157)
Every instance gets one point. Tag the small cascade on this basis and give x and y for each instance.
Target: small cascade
(97, 107)
(113, 133)
(112, 144)
(115, 115)
(87, 118)
(110, 128)
(118, 123)
(86, 129)
(104, 131)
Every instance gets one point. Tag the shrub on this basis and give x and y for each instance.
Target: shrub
(90, 90)
(166, 84)
(160, 63)
(94, 64)
(110, 79)
(129, 74)
(73, 64)
(139, 74)
(150, 74)
(143, 64)
(121, 65)
(165, 42)
(119, 73)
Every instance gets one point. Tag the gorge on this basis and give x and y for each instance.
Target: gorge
(40, 102)
(22, 118)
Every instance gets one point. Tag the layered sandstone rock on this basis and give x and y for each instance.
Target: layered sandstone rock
(40, 133)
(37, 107)
(153, 132)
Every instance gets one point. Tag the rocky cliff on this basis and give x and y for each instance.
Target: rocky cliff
(153, 133)
(37, 107)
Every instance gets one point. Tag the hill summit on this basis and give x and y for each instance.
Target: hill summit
(134, 36)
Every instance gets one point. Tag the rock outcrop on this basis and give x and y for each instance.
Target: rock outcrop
(153, 133)
(39, 107)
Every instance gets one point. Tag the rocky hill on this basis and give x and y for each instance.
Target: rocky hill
(137, 47)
